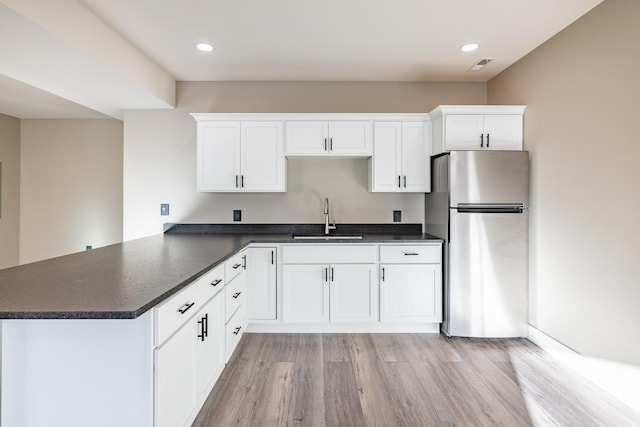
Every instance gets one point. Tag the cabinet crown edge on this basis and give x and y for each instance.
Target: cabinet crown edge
(204, 117)
(476, 109)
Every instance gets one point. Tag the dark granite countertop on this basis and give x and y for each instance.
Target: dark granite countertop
(123, 281)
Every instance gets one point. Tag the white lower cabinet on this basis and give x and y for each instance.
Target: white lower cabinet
(261, 283)
(235, 305)
(329, 283)
(411, 283)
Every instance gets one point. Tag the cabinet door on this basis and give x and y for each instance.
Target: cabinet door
(350, 138)
(353, 293)
(218, 161)
(261, 278)
(175, 392)
(416, 176)
(410, 293)
(305, 293)
(307, 137)
(262, 157)
(503, 132)
(209, 345)
(463, 132)
(386, 160)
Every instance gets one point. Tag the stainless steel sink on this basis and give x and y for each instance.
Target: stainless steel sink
(327, 237)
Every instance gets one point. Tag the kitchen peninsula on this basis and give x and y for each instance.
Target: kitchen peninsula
(93, 331)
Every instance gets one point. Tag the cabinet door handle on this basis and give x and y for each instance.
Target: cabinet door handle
(236, 181)
(410, 253)
(216, 282)
(325, 144)
(236, 266)
(236, 295)
(206, 325)
(399, 181)
(487, 140)
(332, 274)
(201, 335)
(481, 140)
(383, 274)
(405, 181)
(185, 307)
(272, 257)
(244, 262)
(330, 144)
(236, 331)
(241, 181)
(326, 274)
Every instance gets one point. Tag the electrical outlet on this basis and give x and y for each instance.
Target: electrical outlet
(88, 247)
(237, 215)
(397, 216)
(164, 209)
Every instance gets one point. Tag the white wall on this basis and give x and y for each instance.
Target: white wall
(10, 191)
(160, 154)
(71, 186)
(582, 93)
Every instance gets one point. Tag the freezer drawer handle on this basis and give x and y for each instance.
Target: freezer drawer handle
(491, 208)
(411, 253)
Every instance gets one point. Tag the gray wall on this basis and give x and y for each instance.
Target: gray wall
(160, 154)
(70, 186)
(10, 191)
(582, 93)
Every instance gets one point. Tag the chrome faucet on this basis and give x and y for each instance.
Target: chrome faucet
(327, 227)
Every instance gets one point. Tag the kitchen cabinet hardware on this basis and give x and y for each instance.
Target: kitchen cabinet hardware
(325, 144)
(272, 257)
(241, 181)
(332, 274)
(236, 266)
(236, 181)
(236, 331)
(383, 274)
(487, 140)
(410, 253)
(204, 326)
(326, 274)
(186, 307)
(236, 295)
(405, 181)
(216, 282)
(481, 140)
(244, 262)
(399, 178)
(330, 144)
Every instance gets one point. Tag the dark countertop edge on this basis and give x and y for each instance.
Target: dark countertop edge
(344, 229)
(267, 239)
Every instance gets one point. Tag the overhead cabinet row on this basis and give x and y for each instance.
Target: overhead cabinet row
(247, 153)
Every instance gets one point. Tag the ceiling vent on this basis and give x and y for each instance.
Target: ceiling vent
(481, 64)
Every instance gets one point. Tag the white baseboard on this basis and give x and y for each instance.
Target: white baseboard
(620, 380)
(286, 328)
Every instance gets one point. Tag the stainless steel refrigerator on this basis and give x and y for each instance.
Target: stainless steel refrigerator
(479, 205)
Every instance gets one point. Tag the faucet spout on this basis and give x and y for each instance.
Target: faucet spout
(327, 227)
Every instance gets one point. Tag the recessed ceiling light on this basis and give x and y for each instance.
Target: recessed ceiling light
(469, 47)
(205, 47)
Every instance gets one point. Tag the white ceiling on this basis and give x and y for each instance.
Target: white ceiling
(286, 40)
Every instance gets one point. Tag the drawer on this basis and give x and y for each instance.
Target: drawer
(210, 283)
(174, 312)
(329, 254)
(411, 254)
(235, 296)
(234, 266)
(234, 331)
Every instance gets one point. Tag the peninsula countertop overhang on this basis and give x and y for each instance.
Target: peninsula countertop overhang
(123, 281)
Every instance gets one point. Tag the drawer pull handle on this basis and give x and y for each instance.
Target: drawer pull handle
(236, 266)
(236, 331)
(236, 295)
(216, 282)
(244, 262)
(185, 307)
(411, 253)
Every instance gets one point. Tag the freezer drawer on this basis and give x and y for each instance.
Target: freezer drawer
(487, 282)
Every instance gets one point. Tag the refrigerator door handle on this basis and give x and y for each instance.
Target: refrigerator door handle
(515, 208)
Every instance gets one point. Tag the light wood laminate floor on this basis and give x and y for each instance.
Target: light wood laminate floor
(402, 380)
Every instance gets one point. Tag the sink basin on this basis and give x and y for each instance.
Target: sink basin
(327, 237)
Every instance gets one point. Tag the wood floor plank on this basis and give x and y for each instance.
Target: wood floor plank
(336, 347)
(307, 407)
(273, 399)
(341, 397)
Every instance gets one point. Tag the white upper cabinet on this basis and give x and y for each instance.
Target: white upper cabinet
(482, 127)
(400, 161)
(324, 138)
(235, 156)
